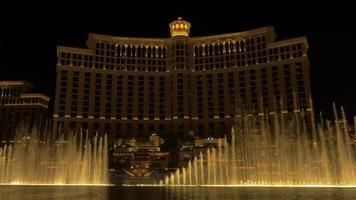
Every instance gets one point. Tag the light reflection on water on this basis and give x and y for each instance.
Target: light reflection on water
(172, 193)
(53, 193)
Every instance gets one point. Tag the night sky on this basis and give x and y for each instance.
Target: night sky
(29, 35)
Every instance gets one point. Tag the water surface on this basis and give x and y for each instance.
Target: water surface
(172, 193)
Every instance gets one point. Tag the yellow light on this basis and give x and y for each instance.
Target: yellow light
(179, 28)
(53, 184)
(248, 185)
(179, 33)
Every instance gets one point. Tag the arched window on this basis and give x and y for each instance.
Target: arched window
(144, 51)
(221, 48)
(159, 52)
(200, 51)
(210, 50)
(139, 51)
(149, 51)
(241, 46)
(164, 52)
(153, 52)
(128, 51)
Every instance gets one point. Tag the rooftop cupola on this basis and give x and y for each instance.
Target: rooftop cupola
(179, 27)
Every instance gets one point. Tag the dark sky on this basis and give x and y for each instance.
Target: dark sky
(29, 35)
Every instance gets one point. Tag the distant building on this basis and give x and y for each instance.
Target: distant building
(188, 152)
(139, 159)
(131, 87)
(19, 105)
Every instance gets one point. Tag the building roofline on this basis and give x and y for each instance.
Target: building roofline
(35, 95)
(131, 39)
(25, 105)
(74, 50)
(13, 83)
(280, 43)
(265, 29)
(162, 41)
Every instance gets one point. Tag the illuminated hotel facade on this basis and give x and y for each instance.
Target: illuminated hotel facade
(132, 87)
(18, 104)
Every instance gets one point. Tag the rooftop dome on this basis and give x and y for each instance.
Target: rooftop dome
(179, 27)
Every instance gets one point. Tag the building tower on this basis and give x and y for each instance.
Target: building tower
(180, 61)
(131, 87)
(18, 104)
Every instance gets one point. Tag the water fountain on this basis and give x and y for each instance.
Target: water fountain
(50, 158)
(277, 151)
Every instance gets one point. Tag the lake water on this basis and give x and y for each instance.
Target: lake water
(172, 193)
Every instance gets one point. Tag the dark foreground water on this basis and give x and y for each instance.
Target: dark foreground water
(173, 193)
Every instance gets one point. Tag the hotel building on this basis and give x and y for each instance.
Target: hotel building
(18, 104)
(132, 87)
